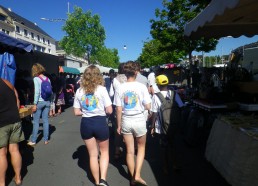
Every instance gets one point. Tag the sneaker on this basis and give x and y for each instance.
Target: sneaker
(31, 143)
(103, 182)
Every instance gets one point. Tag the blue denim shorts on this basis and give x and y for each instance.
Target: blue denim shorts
(96, 127)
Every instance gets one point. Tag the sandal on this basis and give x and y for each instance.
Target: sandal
(46, 142)
(17, 183)
(139, 183)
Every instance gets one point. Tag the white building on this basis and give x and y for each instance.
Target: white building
(23, 29)
(69, 60)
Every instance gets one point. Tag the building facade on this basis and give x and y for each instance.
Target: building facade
(23, 29)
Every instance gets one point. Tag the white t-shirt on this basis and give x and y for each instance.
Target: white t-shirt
(116, 83)
(152, 82)
(92, 104)
(156, 103)
(132, 96)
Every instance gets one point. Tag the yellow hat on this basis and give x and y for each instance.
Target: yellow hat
(162, 80)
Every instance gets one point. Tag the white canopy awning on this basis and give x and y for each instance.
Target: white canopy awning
(101, 68)
(225, 18)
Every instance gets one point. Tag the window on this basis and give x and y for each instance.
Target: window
(2, 17)
(17, 29)
(48, 42)
(43, 40)
(32, 35)
(3, 30)
(38, 37)
(25, 32)
(38, 48)
(7, 32)
(49, 50)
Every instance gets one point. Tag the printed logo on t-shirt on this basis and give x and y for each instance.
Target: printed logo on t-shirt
(89, 102)
(130, 100)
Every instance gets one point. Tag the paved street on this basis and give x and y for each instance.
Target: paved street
(64, 161)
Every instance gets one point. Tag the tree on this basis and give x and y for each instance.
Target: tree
(168, 29)
(107, 57)
(84, 33)
(151, 56)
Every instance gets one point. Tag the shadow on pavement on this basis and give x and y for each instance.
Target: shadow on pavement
(120, 162)
(194, 169)
(82, 155)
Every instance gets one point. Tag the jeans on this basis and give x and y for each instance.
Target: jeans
(43, 108)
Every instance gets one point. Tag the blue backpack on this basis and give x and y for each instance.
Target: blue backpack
(46, 89)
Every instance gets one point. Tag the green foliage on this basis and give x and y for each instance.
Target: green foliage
(107, 57)
(168, 32)
(151, 55)
(84, 33)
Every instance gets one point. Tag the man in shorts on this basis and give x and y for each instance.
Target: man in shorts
(10, 131)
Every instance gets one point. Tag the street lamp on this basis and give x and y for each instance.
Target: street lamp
(57, 19)
(53, 20)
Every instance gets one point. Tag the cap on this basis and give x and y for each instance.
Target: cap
(162, 80)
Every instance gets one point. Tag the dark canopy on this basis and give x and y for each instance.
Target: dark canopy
(13, 45)
(225, 18)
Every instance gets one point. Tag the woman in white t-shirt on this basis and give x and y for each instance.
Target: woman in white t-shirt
(93, 103)
(131, 99)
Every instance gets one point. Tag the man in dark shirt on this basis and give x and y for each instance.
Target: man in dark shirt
(10, 131)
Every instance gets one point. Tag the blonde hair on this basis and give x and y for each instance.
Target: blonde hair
(91, 79)
(37, 69)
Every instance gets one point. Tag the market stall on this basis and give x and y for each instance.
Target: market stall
(232, 144)
(8, 47)
(26, 111)
(232, 149)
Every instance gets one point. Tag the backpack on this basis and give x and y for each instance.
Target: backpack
(165, 113)
(46, 89)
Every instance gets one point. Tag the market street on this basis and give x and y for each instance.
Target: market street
(64, 161)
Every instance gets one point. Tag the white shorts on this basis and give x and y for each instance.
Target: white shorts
(135, 125)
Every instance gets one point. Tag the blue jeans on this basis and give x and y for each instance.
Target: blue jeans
(43, 108)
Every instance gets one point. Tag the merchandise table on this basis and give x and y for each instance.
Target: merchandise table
(24, 112)
(232, 148)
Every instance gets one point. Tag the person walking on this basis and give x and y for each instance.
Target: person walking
(115, 84)
(152, 82)
(10, 131)
(166, 103)
(41, 107)
(93, 103)
(131, 100)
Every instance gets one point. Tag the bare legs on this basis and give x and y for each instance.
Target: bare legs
(3, 165)
(135, 167)
(102, 165)
(16, 161)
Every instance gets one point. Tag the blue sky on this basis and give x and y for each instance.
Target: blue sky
(126, 22)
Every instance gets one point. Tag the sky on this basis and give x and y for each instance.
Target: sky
(126, 22)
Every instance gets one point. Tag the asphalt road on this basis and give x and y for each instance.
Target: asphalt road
(64, 161)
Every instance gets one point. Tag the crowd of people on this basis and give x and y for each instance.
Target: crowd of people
(127, 99)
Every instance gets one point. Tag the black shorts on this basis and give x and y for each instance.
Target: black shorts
(94, 127)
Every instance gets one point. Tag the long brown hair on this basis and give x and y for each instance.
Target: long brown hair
(37, 69)
(91, 79)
